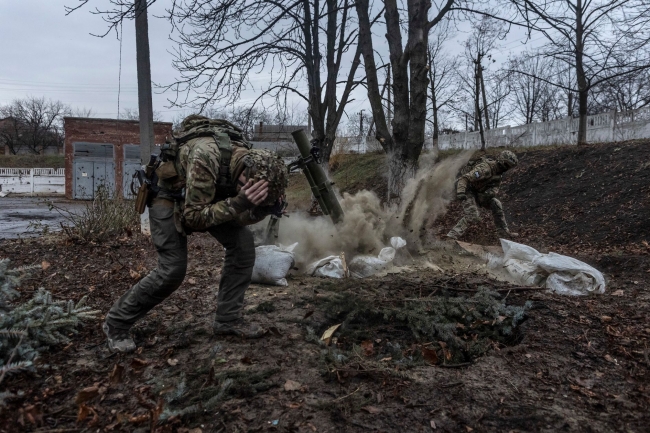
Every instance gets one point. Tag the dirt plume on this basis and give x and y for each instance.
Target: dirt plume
(363, 230)
(368, 224)
(427, 195)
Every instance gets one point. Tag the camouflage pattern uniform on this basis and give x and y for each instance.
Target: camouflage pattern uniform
(477, 186)
(206, 207)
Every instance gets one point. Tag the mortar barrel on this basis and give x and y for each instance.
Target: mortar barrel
(319, 183)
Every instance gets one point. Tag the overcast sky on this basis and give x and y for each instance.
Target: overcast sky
(46, 53)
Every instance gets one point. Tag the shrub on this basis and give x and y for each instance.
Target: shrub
(101, 219)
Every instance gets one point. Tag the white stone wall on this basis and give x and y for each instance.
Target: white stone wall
(605, 127)
(43, 181)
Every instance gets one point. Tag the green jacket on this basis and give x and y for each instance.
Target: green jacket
(484, 177)
(196, 168)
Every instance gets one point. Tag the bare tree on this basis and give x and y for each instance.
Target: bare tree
(530, 86)
(410, 81)
(443, 82)
(32, 125)
(134, 114)
(589, 36)
(225, 47)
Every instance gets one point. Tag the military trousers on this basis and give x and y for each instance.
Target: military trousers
(171, 247)
(472, 215)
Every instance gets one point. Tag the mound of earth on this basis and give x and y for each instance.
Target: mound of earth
(591, 199)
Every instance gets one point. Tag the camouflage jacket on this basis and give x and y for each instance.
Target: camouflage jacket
(196, 168)
(484, 177)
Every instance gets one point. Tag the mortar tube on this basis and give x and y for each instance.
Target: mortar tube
(320, 185)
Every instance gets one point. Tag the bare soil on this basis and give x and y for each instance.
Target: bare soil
(574, 364)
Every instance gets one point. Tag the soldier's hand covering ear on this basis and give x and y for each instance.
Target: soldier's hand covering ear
(250, 195)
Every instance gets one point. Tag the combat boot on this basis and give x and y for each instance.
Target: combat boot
(239, 328)
(119, 340)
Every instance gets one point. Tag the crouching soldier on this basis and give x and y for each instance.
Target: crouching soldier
(209, 180)
(478, 185)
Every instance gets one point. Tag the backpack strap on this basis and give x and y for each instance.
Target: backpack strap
(225, 149)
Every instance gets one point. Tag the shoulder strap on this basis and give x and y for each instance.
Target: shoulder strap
(225, 149)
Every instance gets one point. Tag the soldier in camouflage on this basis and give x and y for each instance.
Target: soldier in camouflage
(221, 199)
(478, 185)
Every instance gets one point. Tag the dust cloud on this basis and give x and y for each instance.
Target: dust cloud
(363, 230)
(427, 195)
(368, 224)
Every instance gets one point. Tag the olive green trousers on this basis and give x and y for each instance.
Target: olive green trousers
(172, 266)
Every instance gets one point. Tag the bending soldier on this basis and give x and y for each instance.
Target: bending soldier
(209, 180)
(478, 185)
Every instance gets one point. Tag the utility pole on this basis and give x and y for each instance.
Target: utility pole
(145, 104)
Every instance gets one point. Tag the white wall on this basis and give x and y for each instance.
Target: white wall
(605, 127)
(32, 181)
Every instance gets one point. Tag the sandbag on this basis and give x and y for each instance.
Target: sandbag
(272, 264)
(330, 266)
(564, 275)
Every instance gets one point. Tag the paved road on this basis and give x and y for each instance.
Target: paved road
(27, 216)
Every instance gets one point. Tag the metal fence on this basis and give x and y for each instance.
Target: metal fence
(32, 181)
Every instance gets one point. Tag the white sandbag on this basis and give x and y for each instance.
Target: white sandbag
(397, 242)
(564, 275)
(330, 266)
(272, 264)
(365, 266)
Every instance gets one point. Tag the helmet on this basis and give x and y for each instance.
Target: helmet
(260, 164)
(508, 159)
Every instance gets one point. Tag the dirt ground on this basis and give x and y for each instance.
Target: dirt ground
(574, 364)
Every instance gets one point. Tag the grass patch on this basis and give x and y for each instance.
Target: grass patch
(32, 161)
(350, 173)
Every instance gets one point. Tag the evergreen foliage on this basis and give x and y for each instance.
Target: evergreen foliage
(466, 326)
(30, 327)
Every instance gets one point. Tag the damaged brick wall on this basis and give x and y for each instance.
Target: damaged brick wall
(105, 131)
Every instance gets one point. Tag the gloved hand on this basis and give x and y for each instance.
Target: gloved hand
(249, 196)
(461, 196)
(277, 209)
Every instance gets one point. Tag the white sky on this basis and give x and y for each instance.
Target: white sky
(45, 53)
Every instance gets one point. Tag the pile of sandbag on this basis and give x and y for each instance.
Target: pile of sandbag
(561, 274)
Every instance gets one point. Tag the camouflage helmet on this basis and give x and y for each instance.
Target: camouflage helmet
(508, 159)
(260, 164)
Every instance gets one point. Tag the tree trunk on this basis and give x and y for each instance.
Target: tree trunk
(477, 90)
(434, 102)
(485, 104)
(583, 89)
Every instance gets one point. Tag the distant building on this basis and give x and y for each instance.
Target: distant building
(276, 138)
(103, 152)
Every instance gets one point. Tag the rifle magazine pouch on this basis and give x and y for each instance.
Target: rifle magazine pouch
(142, 198)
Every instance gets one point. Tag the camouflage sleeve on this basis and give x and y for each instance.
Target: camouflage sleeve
(250, 217)
(479, 173)
(202, 173)
(461, 185)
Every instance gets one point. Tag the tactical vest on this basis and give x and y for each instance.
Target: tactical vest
(471, 164)
(224, 134)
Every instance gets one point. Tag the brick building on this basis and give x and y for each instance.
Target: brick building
(103, 152)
